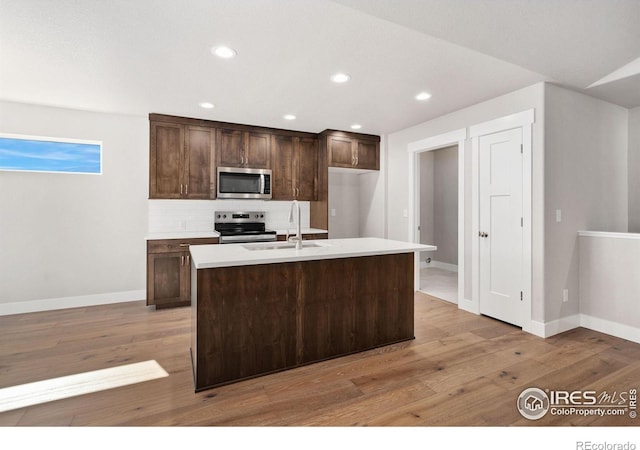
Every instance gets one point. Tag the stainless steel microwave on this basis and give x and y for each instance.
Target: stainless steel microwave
(235, 182)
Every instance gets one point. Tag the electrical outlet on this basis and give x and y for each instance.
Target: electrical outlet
(333, 212)
(558, 215)
(565, 295)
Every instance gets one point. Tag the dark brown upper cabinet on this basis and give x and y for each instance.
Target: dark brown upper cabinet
(237, 148)
(353, 150)
(295, 167)
(181, 158)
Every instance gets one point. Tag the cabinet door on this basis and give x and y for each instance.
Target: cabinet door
(230, 148)
(282, 186)
(166, 160)
(340, 152)
(367, 155)
(257, 151)
(168, 279)
(328, 314)
(198, 162)
(306, 170)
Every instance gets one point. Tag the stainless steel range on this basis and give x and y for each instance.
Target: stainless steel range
(242, 226)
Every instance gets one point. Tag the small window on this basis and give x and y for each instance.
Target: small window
(58, 155)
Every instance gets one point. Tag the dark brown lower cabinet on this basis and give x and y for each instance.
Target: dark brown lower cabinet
(169, 271)
(254, 320)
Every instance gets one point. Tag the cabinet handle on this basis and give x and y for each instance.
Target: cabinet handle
(186, 189)
(357, 160)
(184, 245)
(182, 260)
(297, 192)
(188, 260)
(180, 188)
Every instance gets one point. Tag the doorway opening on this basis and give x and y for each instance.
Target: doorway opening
(439, 222)
(436, 214)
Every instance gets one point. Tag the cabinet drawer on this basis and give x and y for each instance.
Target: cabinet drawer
(176, 245)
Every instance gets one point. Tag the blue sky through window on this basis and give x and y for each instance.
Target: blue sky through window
(31, 154)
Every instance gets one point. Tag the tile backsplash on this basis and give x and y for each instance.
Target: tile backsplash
(198, 215)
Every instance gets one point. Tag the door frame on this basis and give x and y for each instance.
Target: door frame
(523, 120)
(455, 137)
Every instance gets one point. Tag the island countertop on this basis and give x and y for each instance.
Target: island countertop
(229, 255)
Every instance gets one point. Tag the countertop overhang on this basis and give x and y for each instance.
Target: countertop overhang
(229, 255)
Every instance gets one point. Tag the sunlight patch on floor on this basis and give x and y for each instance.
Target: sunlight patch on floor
(29, 394)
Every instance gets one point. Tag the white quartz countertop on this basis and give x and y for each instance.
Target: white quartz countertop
(228, 255)
(183, 235)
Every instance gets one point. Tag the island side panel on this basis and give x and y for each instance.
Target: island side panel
(246, 322)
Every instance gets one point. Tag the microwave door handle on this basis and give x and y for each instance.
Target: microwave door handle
(261, 184)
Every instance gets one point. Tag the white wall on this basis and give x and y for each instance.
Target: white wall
(344, 200)
(634, 170)
(398, 163)
(427, 231)
(439, 203)
(372, 194)
(585, 178)
(445, 204)
(609, 283)
(70, 239)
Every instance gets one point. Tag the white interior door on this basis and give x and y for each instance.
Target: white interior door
(500, 226)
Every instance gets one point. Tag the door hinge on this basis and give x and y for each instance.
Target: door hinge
(522, 221)
(521, 148)
(520, 295)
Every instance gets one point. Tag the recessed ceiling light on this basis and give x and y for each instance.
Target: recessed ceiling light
(290, 117)
(223, 52)
(423, 96)
(207, 105)
(340, 78)
(356, 126)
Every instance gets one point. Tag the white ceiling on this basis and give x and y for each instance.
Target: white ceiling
(142, 56)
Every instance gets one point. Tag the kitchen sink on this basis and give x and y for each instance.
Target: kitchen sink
(280, 245)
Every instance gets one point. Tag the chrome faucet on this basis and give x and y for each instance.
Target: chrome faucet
(298, 237)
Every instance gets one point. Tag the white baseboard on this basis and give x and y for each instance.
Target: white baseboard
(535, 328)
(469, 306)
(564, 324)
(612, 328)
(51, 304)
(439, 265)
(554, 327)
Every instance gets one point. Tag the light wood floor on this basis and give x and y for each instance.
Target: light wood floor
(461, 369)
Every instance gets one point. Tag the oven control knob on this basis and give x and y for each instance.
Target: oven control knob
(261, 216)
(224, 217)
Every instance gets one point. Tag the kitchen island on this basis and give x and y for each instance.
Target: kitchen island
(263, 308)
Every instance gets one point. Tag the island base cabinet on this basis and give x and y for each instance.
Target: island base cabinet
(254, 320)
